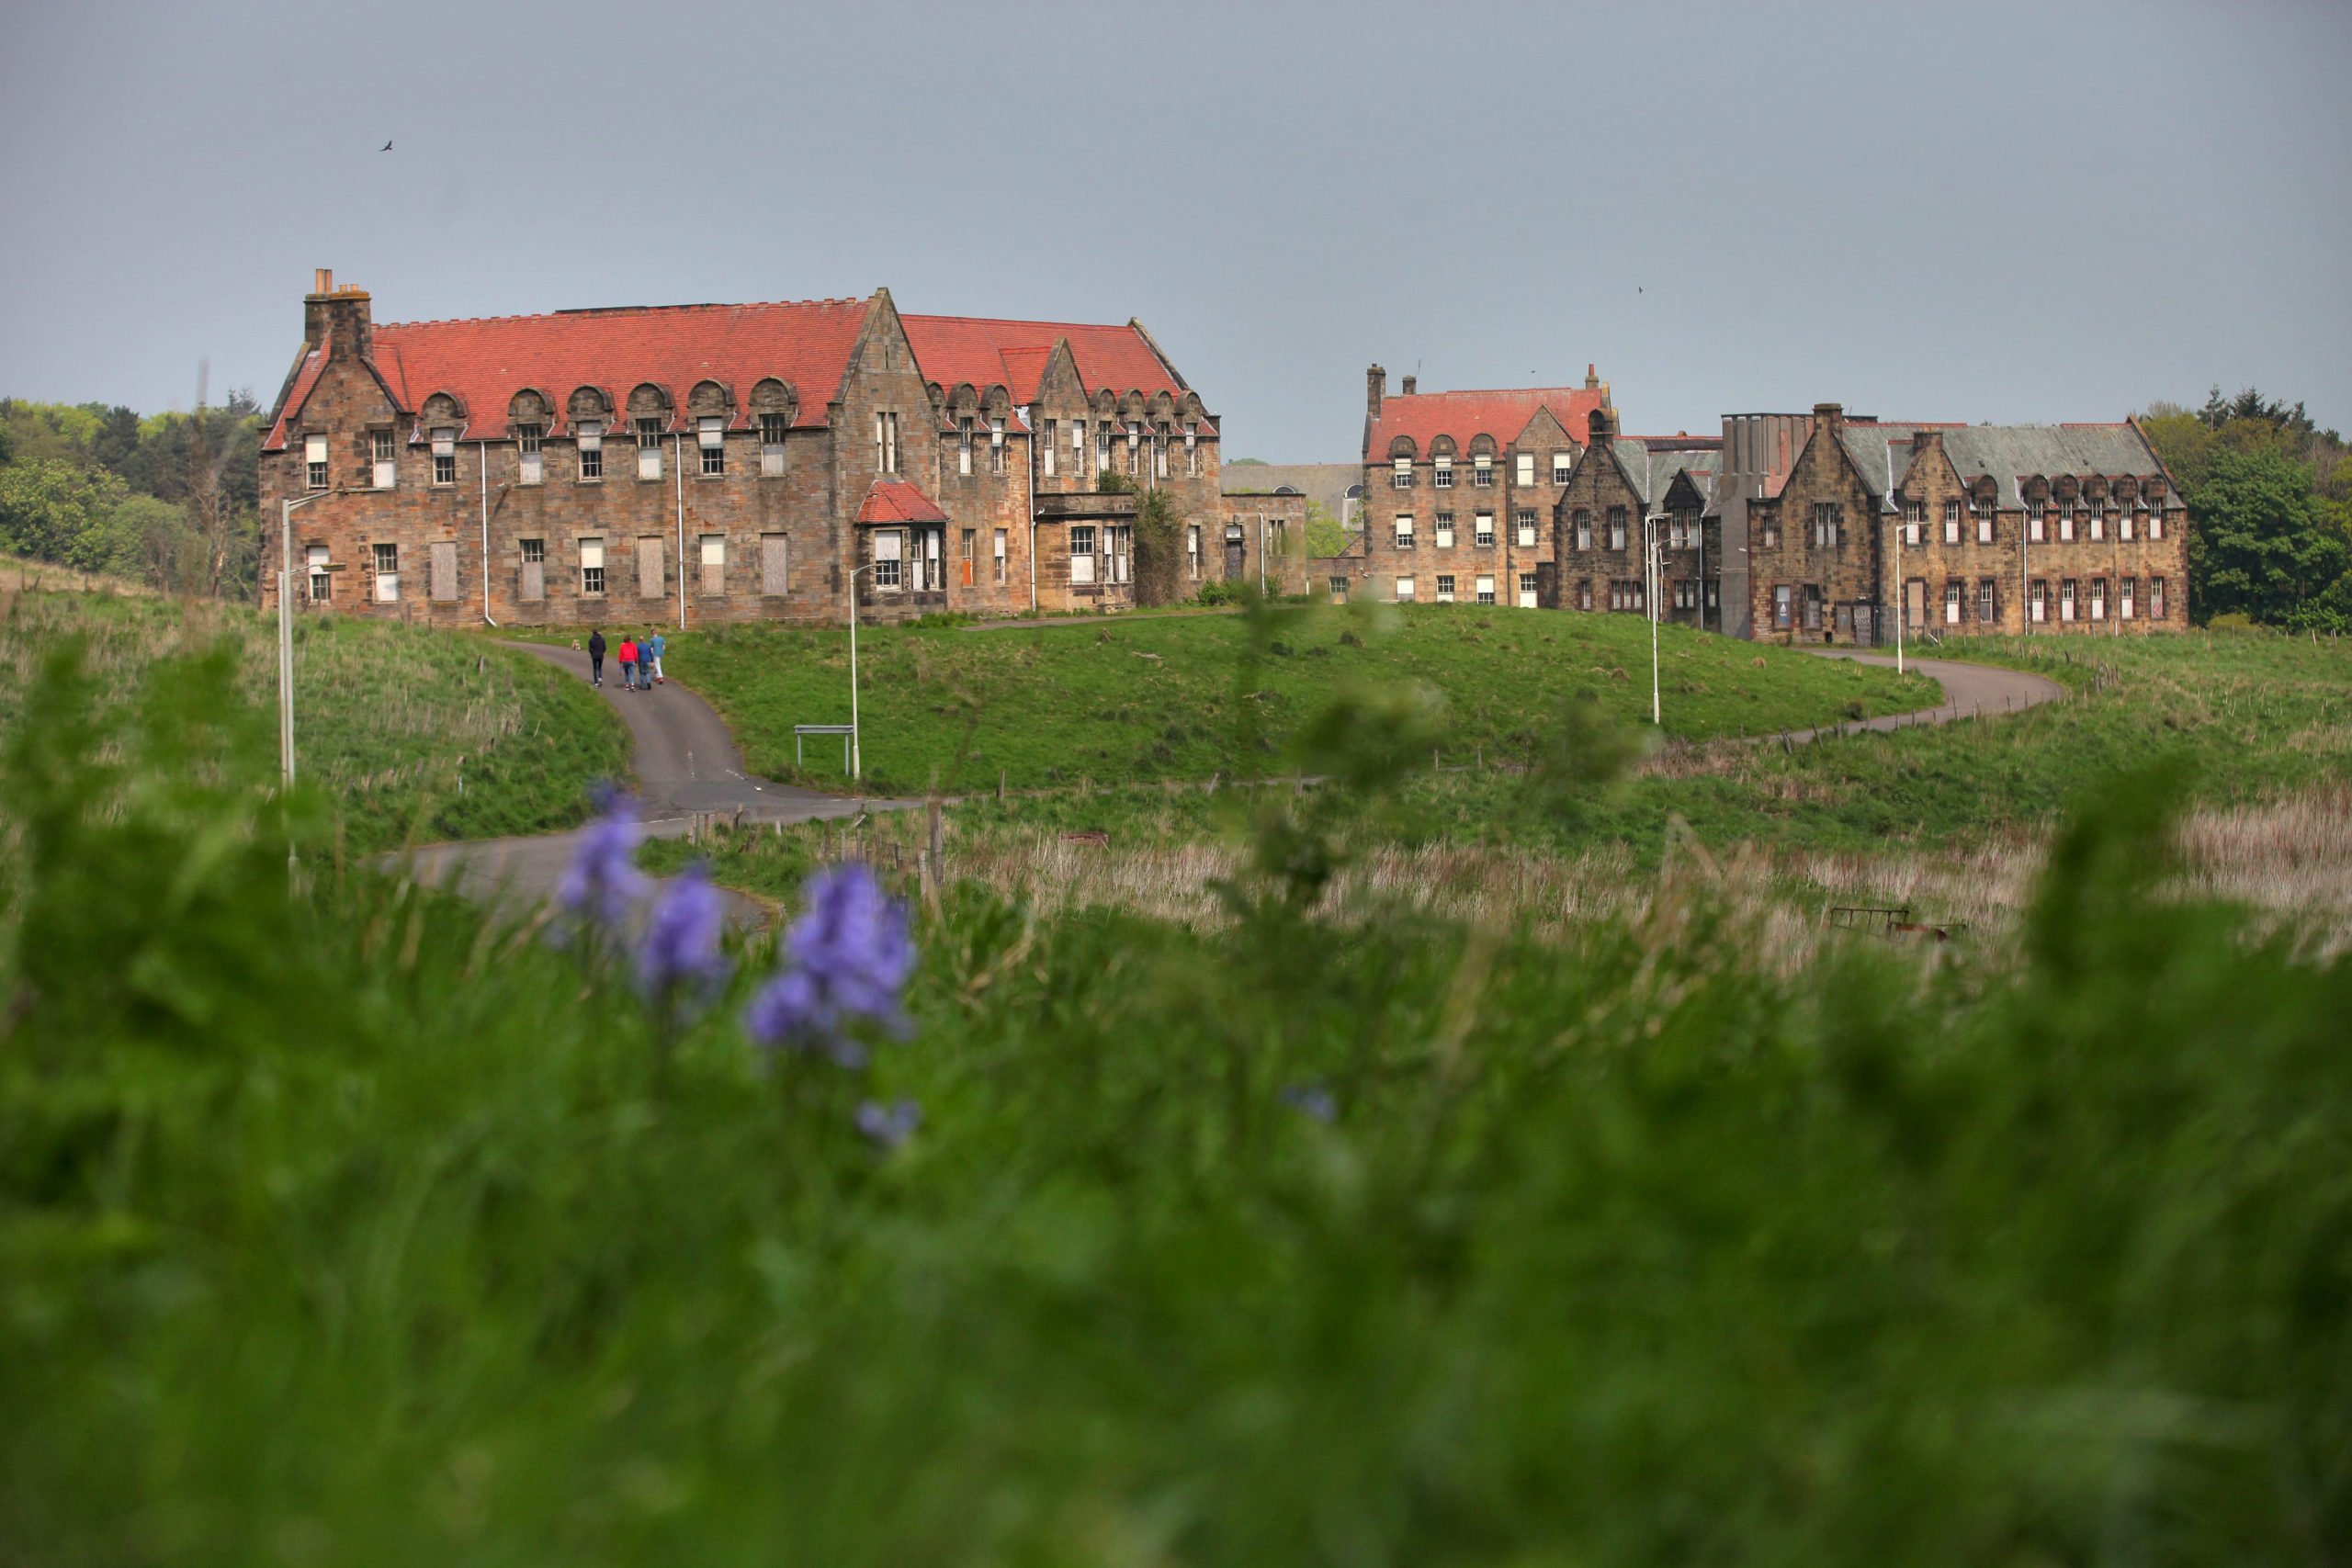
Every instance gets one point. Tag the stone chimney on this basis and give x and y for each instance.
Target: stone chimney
(1376, 387)
(1926, 441)
(341, 311)
(1603, 425)
(1828, 416)
(1592, 377)
(1410, 382)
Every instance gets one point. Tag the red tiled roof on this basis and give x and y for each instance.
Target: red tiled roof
(1425, 416)
(804, 344)
(896, 501)
(986, 352)
(304, 380)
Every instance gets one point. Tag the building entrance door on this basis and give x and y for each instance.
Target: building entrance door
(1863, 625)
(1233, 552)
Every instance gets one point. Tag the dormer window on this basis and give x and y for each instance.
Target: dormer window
(1442, 472)
(314, 462)
(445, 456)
(1401, 475)
(1482, 468)
(772, 443)
(591, 433)
(710, 432)
(526, 444)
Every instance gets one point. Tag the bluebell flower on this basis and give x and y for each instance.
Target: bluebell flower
(680, 957)
(603, 880)
(850, 957)
(889, 1126)
(1312, 1100)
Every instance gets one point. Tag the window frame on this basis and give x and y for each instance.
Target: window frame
(588, 444)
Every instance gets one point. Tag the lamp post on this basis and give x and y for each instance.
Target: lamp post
(1653, 578)
(857, 758)
(286, 632)
(1902, 593)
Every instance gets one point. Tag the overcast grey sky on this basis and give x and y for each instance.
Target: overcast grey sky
(1947, 211)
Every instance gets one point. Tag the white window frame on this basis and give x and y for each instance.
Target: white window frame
(2037, 602)
(1445, 588)
(1482, 468)
(1482, 530)
(1400, 473)
(1523, 528)
(1082, 553)
(1049, 446)
(772, 429)
(445, 455)
(314, 462)
(1001, 541)
(2069, 599)
(530, 456)
(383, 449)
(649, 448)
(387, 583)
(592, 559)
(1955, 600)
(1442, 472)
(314, 558)
(1523, 468)
(1564, 464)
(1484, 588)
(889, 560)
(1527, 590)
(1404, 536)
(589, 438)
(1404, 588)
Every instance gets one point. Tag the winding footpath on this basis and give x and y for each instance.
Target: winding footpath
(686, 761)
(1971, 690)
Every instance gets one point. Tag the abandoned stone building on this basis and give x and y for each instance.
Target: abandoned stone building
(1460, 489)
(1790, 527)
(713, 463)
(1965, 528)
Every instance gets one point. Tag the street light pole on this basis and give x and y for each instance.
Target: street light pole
(1653, 574)
(1902, 593)
(286, 632)
(856, 757)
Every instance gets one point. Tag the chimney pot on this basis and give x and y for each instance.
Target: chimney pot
(323, 282)
(1591, 378)
(1830, 414)
(1376, 387)
(1410, 382)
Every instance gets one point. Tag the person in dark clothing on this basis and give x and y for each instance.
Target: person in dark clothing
(596, 657)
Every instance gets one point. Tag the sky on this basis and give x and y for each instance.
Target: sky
(1956, 211)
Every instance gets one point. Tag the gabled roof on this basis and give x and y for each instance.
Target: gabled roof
(306, 376)
(1649, 470)
(2007, 452)
(897, 501)
(987, 352)
(805, 344)
(1425, 416)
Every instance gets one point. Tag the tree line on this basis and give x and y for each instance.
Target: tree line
(168, 500)
(2269, 501)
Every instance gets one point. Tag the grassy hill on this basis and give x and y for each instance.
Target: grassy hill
(1185, 697)
(389, 717)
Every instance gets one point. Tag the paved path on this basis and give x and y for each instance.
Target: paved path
(686, 761)
(1971, 690)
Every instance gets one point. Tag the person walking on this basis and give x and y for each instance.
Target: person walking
(654, 646)
(628, 662)
(596, 657)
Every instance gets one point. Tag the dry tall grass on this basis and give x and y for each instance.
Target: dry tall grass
(2290, 857)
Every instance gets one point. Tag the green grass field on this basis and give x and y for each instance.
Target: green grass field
(340, 1225)
(389, 719)
(1187, 697)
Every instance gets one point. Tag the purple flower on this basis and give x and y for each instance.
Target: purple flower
(850, 957)
(681, 953)
(890, 1127)
(603, 880)
(1311, 1100)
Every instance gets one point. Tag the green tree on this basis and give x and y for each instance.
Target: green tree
(1325, 535)
(2263, 545)
(50, 510)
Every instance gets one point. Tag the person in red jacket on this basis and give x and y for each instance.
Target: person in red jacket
(629, 663)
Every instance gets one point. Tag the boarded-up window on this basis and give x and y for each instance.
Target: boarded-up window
(445, 570)
(773, 560)
(649, 567)
(714, 563)
(535, 569)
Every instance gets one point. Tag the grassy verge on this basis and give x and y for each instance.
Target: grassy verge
(416, 734)
(1189, 696)
(340, 1226)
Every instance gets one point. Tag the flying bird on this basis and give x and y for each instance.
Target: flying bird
(385, 147)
